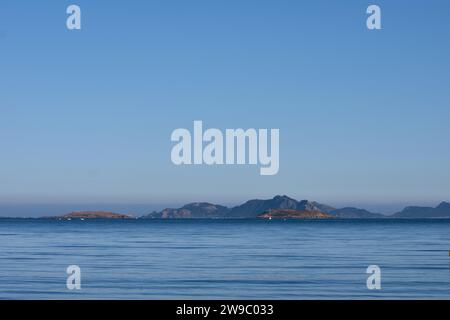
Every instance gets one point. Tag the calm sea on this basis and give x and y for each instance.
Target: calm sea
(224, 259)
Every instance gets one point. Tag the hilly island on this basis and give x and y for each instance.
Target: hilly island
(279, 207)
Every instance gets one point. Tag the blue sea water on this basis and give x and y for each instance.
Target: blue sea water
(224, 259)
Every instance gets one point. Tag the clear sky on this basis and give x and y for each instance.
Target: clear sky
(86, 116)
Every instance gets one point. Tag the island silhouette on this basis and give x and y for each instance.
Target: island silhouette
(279, 207)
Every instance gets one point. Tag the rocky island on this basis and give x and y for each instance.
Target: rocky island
(294, 214)
(91, 215)
(284, 207)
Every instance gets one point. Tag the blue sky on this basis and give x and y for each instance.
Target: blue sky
(86, 116)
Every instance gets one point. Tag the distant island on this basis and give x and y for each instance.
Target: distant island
(260, 209)
(91, 215)
(279, 207)
(294, 214)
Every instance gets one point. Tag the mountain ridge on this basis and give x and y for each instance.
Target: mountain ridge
(442, 210)
(255, 207)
